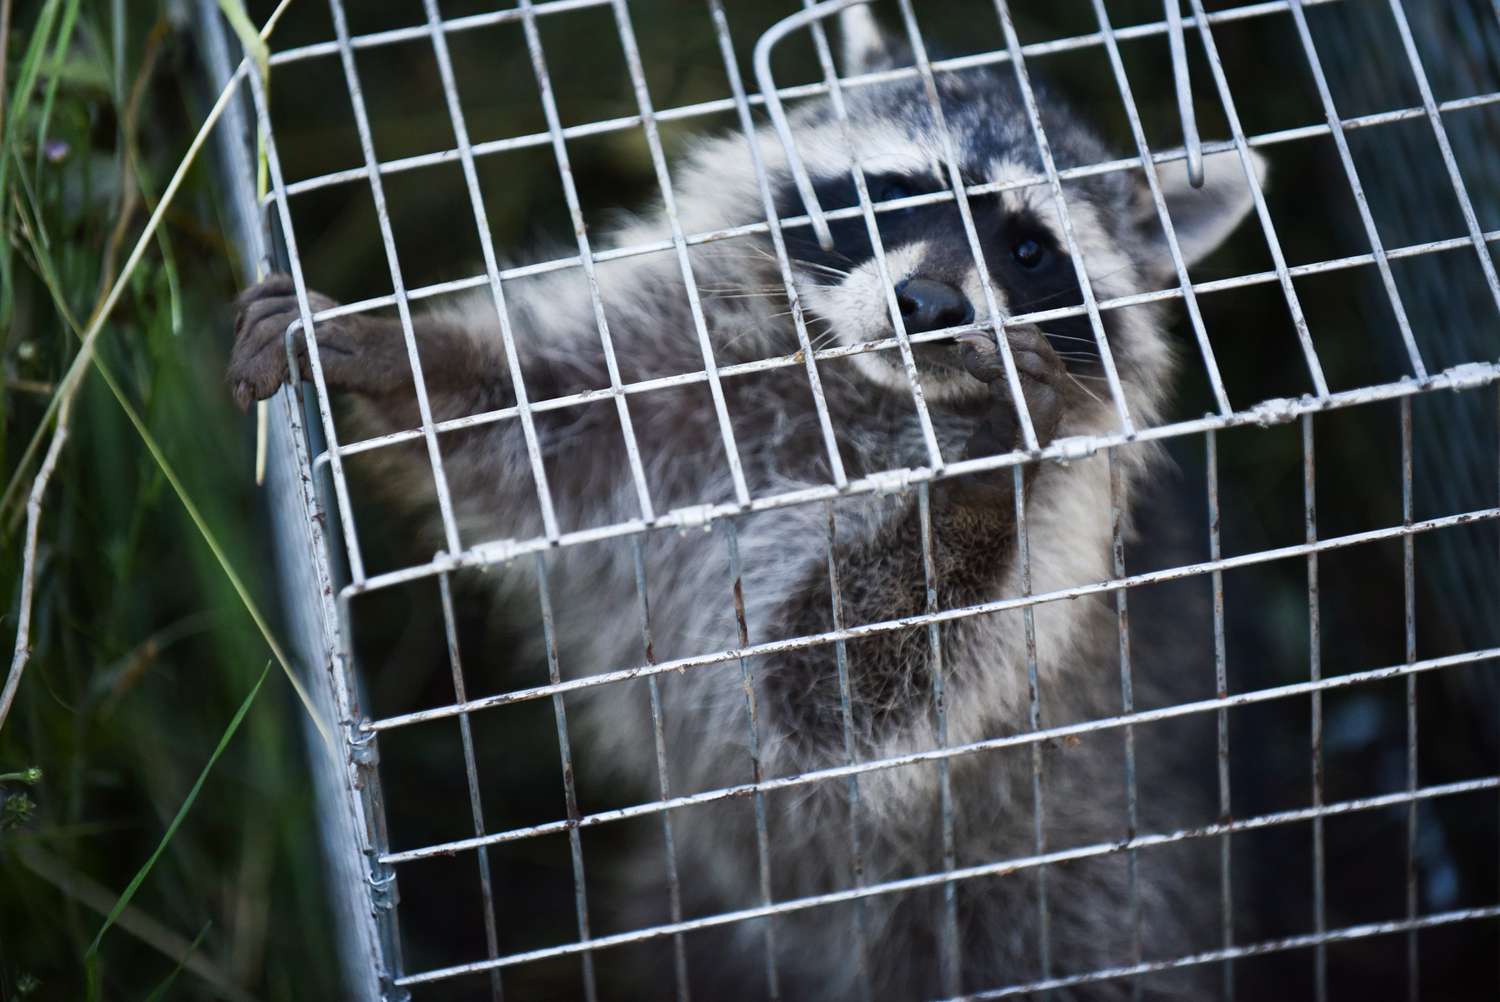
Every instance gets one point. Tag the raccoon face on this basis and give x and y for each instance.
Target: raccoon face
(935, 283)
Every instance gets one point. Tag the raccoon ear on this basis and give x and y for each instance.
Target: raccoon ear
(866, 47)
(1201, 217)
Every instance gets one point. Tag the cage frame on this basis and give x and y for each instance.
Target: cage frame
(308, 484)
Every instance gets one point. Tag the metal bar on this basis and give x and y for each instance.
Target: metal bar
(1409, 602)
(674, 886)
(757, 775)
(1273, 243)
(1184, 85)
(776, 362)
(1033, 721)
(1343, 935)
(1221, 691)
(304, 311)
(996, 315)
(403, 308)
(415, 32)
(846, 719)
(973, 190)
(303, 558)
(1118, 512)
(908, 622)
(471, 770)
(987, 870)
(1060, 732)
(768, 41)
(570, 791)
(778, 246)
(719, 105)
(1440, 133)
(492, 270)
(1372, 232)
(872, 228)
(361, 758)
(1315, 672)
(585, 255)
(952, 953)
(669, 207)
(1153, 181)
(1467, 376)
(1075, 253)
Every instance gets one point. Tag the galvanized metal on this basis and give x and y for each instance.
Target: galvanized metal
(1184, 84)
(302, 552)
(308, 465)
(1028, 862)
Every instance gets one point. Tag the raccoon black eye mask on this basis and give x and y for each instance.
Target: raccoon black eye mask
(891, 556)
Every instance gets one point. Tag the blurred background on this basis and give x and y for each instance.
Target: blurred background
(143, 651)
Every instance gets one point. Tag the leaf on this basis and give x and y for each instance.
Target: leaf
(48, 275)
(160, 991)
(59, 50)
(25, 81)
(91, 956)
(249, 35)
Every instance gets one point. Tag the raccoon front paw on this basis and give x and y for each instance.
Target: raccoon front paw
(258, 361)
(1044, 381)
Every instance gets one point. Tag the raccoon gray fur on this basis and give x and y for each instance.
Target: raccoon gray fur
(891, 945)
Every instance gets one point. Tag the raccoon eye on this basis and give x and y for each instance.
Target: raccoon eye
(1028, 253)
(890, 188)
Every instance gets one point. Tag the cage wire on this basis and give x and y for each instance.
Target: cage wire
(1417, 157)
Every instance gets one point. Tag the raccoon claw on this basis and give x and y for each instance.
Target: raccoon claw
(1042, 381)
(258, 362)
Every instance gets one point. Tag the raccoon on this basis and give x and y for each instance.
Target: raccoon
(813, 569)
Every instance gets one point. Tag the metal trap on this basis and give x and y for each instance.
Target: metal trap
(1336, 427)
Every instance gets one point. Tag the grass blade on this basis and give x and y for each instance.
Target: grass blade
(49, 277)
(91, 956)
(160, 991)
(249, 35)
(59, 51)
(25, 81)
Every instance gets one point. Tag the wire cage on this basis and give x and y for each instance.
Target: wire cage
(1336, 433)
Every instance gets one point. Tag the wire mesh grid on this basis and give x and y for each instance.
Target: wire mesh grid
(1321, 672)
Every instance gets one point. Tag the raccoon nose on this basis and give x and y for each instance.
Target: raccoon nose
(927, 305)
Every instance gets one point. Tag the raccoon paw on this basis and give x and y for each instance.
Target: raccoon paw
(1043, 381)
(258, 361)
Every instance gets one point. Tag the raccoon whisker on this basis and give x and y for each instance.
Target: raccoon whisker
(738, 256)
(837, 254)
(763, 287)
(761, 252)
(807, 319)
(1077, 382)
(749, 295)
(795, 262)
(821, 336)
(1039, 300)
(827, 269)
(737, 338)
(725, 254)
(1070, 337)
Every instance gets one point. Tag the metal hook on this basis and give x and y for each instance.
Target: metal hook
(763, 47)
(1190, 138)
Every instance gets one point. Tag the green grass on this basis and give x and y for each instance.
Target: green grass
(126, 866)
